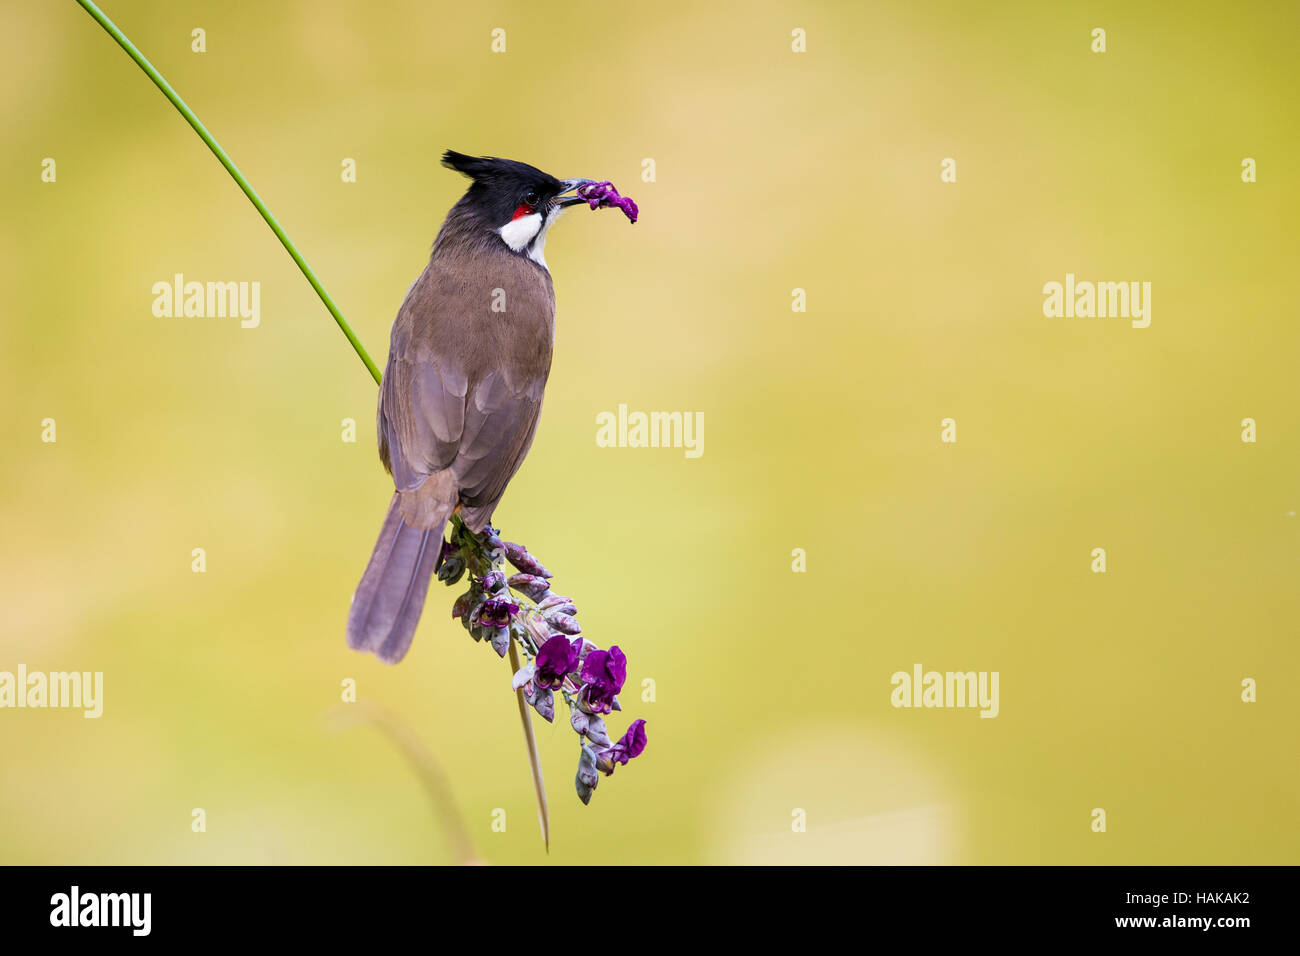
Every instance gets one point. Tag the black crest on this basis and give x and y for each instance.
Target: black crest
(500, 185)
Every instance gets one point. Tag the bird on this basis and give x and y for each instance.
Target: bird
(468, 360)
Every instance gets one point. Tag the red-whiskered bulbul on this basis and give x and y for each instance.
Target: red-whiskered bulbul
(467, 364)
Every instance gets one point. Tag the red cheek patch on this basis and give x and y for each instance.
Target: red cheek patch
(521, 211)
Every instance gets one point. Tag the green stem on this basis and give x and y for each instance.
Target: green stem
(111, 28)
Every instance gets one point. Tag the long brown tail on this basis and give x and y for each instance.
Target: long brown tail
(387, 604)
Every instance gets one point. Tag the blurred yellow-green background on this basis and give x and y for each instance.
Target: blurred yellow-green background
(775, 170)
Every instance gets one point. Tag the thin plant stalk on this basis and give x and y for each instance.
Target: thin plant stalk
(426, 768)
(534, 759)
(112, 30)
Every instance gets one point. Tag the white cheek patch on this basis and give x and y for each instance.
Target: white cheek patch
(537, 251)
(521, 232)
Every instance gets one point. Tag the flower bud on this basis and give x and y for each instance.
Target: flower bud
(538, 630)
(493, 581)
(563, 623)
(556, 601)
(587, 778)
(530, 586)
(518, 555)
(596, 732)
(452, 569)
(579, 719)
(523, 676)
(465, 604)
(545, 705)
(499, 638)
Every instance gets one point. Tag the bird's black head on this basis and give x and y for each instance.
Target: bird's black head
(516, 201)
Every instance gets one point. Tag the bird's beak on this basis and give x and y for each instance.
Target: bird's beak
(569, 186)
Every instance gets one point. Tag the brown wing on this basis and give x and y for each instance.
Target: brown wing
(499, 428)
(463, 387)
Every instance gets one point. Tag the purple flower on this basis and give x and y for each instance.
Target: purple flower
(496, 613)
(604, 194)
(556, 659)
(630, 745)
(603, 673)
(561, 661)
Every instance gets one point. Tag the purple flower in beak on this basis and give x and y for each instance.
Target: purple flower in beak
(496, 613)
(556, 659)
(630, 745)
(598, 195)
(603, 673)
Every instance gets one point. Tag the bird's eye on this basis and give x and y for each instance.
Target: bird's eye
(531, 200)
